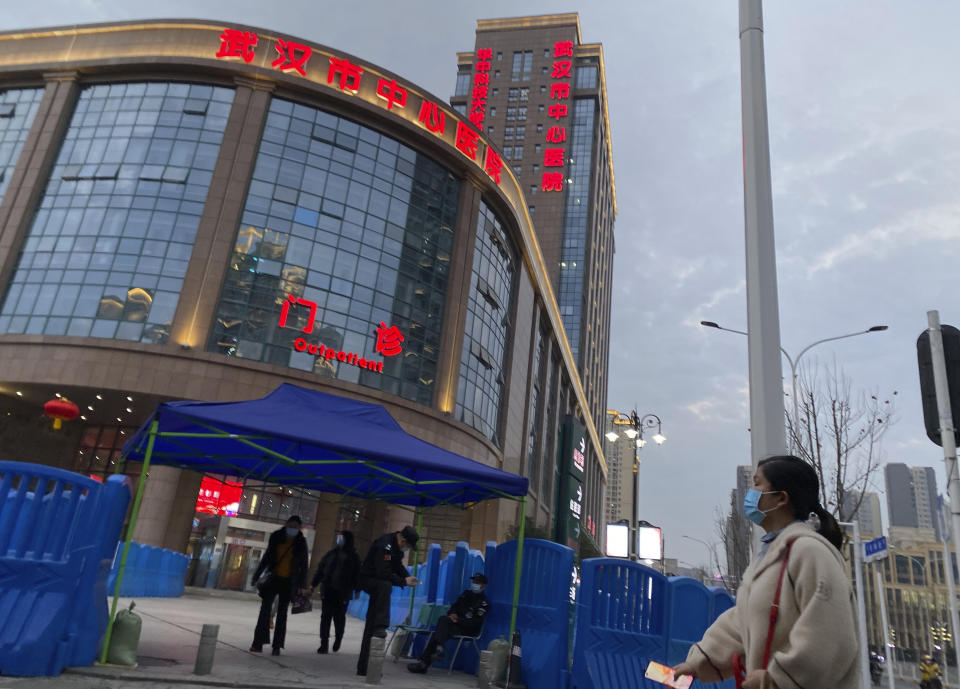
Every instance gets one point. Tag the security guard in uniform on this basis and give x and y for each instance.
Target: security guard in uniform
(383, 569)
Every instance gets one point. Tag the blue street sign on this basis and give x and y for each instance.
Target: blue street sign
(875, 549)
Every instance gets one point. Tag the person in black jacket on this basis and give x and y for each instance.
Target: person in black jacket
(338, 571)
(287, 562)
(465, 617)
(383, 569)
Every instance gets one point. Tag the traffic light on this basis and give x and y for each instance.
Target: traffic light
(928, 393)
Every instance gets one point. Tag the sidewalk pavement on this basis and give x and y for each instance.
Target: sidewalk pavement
(171, 633)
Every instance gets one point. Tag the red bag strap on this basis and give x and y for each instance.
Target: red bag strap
(775, 608)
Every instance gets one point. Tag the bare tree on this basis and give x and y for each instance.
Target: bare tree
(840, 433)
(733, 531)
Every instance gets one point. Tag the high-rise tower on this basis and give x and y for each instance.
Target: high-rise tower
(532, 86)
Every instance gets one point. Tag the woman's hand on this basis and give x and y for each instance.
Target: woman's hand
(685, 669)
(754, 680)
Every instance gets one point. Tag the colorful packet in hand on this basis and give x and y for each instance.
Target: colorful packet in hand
(664, 675)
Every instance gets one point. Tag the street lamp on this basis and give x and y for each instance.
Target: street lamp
(634, 431)
(794, 363)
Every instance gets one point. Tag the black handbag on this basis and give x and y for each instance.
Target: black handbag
(301, 603)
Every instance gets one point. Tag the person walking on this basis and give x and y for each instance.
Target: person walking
(338, 573)
(285, 563)
(383, 569)
(793, 624)
(465, 617)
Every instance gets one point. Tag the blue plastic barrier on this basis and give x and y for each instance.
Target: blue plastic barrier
(722, 601)
(543, 614)
(690, 613)
(150, 572)
(58, 532)
(621, 624)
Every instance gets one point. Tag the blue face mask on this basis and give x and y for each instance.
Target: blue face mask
(292, 531)
(751, 505)
(476, 588)
(339, 540)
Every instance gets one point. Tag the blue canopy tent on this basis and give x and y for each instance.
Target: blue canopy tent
(313, 440)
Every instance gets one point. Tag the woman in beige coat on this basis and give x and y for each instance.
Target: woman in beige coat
(814, 644)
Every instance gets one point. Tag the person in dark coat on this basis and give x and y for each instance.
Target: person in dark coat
(339, 572)
(383, 569)
(287, 561)
(464, 618)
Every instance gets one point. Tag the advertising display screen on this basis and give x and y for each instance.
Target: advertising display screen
(219, 497)
(618, 540)
(649, 545)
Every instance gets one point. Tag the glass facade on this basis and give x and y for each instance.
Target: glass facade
(488, 328)
(18, 107)
(576, 216)
(343, 230)
(107, 250)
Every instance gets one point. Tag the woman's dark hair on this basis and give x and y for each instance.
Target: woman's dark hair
(798, 480)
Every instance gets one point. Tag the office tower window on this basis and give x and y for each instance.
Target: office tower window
(507, 133)
(521, 132)
(539, 129)
(511, 113)
(17, 110)
(586, 77)
(522, 112)
(461, 108)
(527, 64)
(499, 57)
(524, 94)
(464, 78)
(513, 94)
(517, 152)
(490, 130)
(517, 66)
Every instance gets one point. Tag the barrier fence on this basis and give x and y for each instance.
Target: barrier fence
(58, 540)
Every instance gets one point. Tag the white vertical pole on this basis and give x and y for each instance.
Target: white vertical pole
(951, 589)
(888, 652)
(948, 440)
(767, 435)
(862, 617)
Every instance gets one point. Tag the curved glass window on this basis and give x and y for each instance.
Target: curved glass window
(488, 331)
(108, 248)
(344, 248)
(17, 110)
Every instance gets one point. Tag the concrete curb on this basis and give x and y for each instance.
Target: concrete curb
(157, 678)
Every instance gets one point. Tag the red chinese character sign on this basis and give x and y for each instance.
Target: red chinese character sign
(301, 313)
(219, 497)
(554, 157)
(481, 81)
(340, 74)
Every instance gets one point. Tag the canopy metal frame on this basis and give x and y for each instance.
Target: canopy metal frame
(272, 458)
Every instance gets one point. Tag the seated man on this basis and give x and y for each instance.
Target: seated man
(464, 618)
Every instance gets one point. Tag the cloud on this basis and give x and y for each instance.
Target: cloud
(931, 225)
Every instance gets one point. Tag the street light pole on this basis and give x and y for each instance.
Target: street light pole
(861, 600)
(635, 432)
(795, 363)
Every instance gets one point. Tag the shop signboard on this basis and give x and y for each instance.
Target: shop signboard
(571, 463)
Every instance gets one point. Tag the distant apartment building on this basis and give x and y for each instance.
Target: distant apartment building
(912, 497)
(618, 501)
(865, 511)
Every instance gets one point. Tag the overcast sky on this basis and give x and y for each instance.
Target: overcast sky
(865, 140)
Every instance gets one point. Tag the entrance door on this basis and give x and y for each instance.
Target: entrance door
(235, 565)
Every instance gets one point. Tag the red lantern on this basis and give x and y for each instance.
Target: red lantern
(61, 410)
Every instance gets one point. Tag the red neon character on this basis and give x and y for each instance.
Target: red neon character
(553, 157)
(557, 111)
(433, 118)
(467, 140)
(482, 66)
(349, 74)
(552, 181)
(476, 118)
(480, 92)
(285, 311)
(561, 69)
(485, 54)
(482, 79)
(388, 340)
(234, 43)
(556, 134)
(479, 106)
(392, 93)
(563, 49)
(493, 165)
(560, 89)
(288, 56)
